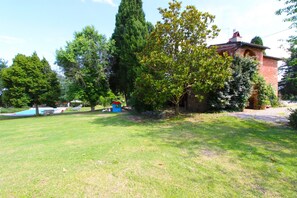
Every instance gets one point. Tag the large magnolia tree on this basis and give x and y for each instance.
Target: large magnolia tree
(177, 59)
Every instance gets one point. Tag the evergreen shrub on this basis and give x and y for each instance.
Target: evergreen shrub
(237, 90)
(293, 119)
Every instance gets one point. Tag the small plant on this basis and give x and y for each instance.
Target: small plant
(266, 94)
(293, 118)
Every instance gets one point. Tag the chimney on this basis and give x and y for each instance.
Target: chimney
(236, 37)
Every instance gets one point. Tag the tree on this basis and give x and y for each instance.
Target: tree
(3, 65)
(290, 11)
(85, 62)
(237, 90)
(177, 60)
(257, 40)
(130, 33)
(30, 81)
(69, 90)
(288, 84)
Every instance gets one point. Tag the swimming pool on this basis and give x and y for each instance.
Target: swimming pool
(32, 111)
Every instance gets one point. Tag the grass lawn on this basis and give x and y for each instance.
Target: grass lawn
(119, 155)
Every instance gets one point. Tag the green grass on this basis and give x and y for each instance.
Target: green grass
(12, 110)
(120, 155)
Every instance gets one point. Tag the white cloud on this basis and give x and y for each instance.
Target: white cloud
(110, 2)
(11, 40)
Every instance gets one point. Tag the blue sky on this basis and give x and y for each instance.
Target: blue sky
(45, 25)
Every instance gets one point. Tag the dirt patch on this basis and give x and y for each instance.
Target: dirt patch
(104, 115)
(272, 115)
(134, 118)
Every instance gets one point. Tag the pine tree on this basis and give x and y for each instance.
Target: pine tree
(30, 80)
(288, 84)
(129, 35)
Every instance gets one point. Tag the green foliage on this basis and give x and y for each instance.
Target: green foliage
(85, 62)
(107, 100)
(30, 81)
(237, 89)
(131, 31)
(265, 93)
(12, 110)
(69, 90)
(177, 59)
(290, 11)
(3, 65)
(288, 83)
(257, 40)
(293, 118)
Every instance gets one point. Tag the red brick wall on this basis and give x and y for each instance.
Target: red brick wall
(258, 53)
(269, 71)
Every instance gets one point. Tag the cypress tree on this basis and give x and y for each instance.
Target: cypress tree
(129, 35)
(288, 84)
(257, 40)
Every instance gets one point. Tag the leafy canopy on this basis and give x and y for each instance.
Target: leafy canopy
(257, 40)
(290, 11)
(288, 84)
(177, 59)
(85, 62)
(30, 81)
(3, 65)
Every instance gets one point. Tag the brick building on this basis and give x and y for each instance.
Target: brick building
(267, 64)
(236, 47)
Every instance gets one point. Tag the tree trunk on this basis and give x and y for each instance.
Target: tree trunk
(125, 95)
(92, 108)
(37, 109)
(176, 108)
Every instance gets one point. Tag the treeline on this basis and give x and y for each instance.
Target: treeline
(150, 66)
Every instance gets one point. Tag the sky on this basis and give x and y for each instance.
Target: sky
(46, 25)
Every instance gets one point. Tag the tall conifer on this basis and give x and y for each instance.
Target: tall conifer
(130, 34)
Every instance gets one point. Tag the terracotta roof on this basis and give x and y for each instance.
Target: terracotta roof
(272, 57)
(242, 44)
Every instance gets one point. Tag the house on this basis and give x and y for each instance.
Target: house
(267, 64)
(236, 47)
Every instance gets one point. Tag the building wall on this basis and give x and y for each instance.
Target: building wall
(267, 68)
(269, 72)
(258, 54)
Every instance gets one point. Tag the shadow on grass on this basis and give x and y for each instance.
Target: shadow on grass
(123, 119)
(247, 139)
(226, 132)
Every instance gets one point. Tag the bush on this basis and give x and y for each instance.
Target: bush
(236, 91)
(293, 118)
(12, 110)
(266, 94)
